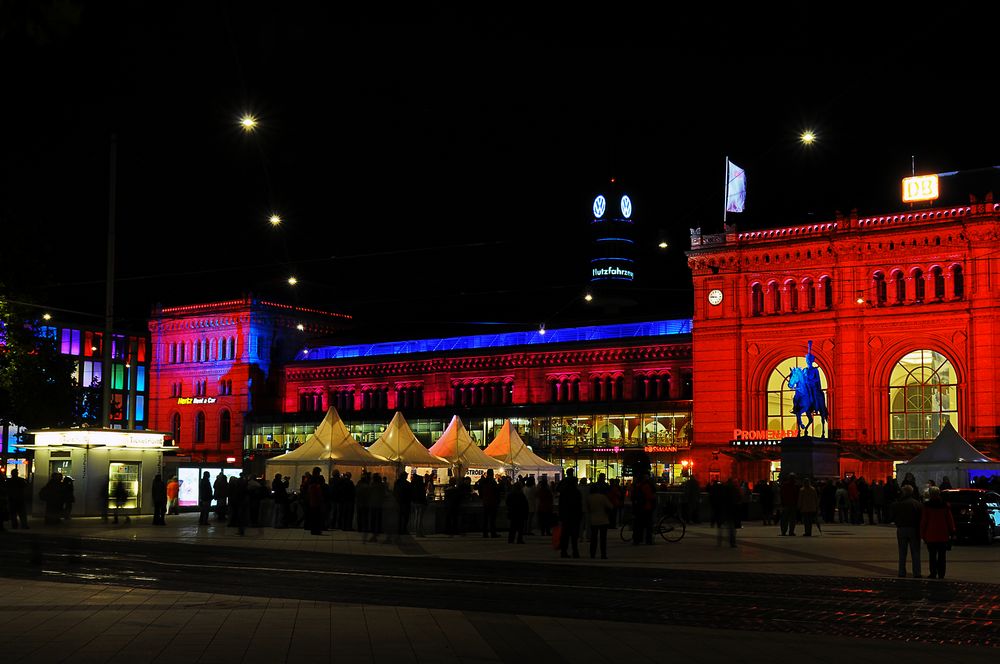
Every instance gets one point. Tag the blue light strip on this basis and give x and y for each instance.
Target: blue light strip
(656, 328)
(615, 239)
(611, 258)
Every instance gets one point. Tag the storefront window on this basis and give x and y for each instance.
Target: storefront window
(128, 475)
(923, 395)
(780, 396)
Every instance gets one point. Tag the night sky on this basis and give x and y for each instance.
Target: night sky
(435, 166)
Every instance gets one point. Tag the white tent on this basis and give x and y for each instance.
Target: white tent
(398, 444)
(951, 456)
(330, 446)
(508, 448)
(458, 448)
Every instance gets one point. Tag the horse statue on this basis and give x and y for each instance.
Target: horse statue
(808, 400)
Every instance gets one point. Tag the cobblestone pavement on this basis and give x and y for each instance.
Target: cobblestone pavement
(648, 591)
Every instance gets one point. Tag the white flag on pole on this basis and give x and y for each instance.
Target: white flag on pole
(736, 188)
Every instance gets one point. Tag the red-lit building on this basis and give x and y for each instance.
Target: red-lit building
(903, 312)
(214, 363)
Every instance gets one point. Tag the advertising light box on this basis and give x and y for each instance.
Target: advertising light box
(920, 188)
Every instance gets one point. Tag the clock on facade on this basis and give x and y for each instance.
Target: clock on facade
(715, 297)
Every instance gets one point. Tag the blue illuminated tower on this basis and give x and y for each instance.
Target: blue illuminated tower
(612, 224)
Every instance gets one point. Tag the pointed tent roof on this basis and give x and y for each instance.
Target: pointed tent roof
(398, 444)
(331, 443)
(508, 447)
(949, 447)
(457, 447)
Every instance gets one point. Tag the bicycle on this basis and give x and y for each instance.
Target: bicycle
(670, 527)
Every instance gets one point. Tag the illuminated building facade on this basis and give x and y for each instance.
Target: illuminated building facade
(214, 363)
(902, 310)
(588, 396)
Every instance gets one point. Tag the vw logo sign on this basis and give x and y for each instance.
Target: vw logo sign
(599, 206)
(626, 206)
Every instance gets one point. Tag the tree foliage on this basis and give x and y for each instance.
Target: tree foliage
(37, 388)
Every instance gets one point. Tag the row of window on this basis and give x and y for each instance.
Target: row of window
(919, 283)
(87, 343)
(202, 350)
(644, 388)
(374, 398)
(201, 388)
(790, 296)
(225, 427)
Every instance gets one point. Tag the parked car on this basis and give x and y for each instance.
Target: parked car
(976, 512)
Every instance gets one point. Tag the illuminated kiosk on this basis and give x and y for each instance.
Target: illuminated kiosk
(96, 459)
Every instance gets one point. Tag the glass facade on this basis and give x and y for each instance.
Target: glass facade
(591, 442)
(923, 395)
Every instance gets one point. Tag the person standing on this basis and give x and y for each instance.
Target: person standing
(204, 497)
(599, 507)
(376, 502)
(173, 493)
(347, 494)
(489, 495)
(937, 526)
(789, 504)
(906, 513)
(544, 506)
(221, 487)
(517, 513)
(418, 503)
(121, 498)
(402, 491)
(315, 505)
(68, 497)
(17, 489)
(361, 495)
(280, 493)
(643, 504)
(159, 501)
(808, 506)
(4, 501)
(570, 513)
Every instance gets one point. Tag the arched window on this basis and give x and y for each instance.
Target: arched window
(175, 428)
(779, 395)
(199, 427)
(756, 300)
(173, 353)
(900, 291)
(937, 274)
(923, 395)
(793, 295)
(809, 290)
(957, 281)
(918, 284)
(880, 290)
(180, 352)
(232, 348)
(827, 285)
(775, 297)
(225, 426)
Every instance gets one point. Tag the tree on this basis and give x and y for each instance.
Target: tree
(37, 388)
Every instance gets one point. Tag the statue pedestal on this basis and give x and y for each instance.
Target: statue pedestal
(810, 457)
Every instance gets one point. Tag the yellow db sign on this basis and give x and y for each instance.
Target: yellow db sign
(920, 188)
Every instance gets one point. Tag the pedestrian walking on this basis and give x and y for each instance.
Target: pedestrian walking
(937, 526)
(489, 494)
(570, 513)
(906, 513)
(17, 492)
(418, 503)
(599, 508)
(808, 506)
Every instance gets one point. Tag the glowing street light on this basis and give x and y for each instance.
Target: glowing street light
(663, 245)
(541, 329)
(807, 137)
(274, 220)
(300, 327)
(248, 123)
(47, 316)
(588, 297)
(292, 281)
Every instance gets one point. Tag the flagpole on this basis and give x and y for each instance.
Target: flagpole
(725, 199)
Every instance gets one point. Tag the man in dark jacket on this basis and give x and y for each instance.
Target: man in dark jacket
(204, 498)
(570, 514)
(17, 490)
(489, 493)
(221, 494)
(789, 504)
(906, 515)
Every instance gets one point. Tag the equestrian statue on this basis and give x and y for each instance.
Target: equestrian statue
(809, 399)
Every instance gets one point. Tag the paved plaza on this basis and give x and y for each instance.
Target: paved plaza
(832, 596)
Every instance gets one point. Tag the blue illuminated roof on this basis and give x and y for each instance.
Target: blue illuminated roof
(656, 328)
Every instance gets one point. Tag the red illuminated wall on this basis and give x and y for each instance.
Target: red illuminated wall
(857, 345)
(216, 358)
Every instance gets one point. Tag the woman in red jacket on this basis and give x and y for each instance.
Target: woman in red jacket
(936, 529)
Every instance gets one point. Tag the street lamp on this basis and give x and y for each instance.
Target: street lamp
(807, 137)
(292, 281)
(274, 220)
(248, 123)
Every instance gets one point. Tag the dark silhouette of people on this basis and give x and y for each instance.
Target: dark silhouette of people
(51, 495)
(120, 497)
(489, 494)
(204, 498)
(937, 526)
(376, 501)
(280, 494)
(17, 491)
(159, 501)
(68, 496)
(570, 515)
(221, 488)
(402, 492)
(517, 513)
(906, 515)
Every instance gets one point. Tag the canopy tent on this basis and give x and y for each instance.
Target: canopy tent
(508, 447)
(330, 446)
(457, 448)
(949, 455)
(398, 444)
